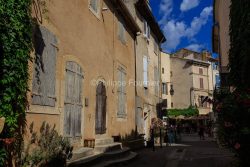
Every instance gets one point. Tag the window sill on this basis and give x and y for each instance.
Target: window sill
(122, 116)
(38, 109)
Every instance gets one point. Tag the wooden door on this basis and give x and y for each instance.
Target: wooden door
(73, 100)
(100, 118)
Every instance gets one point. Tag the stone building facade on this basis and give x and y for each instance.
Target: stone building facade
(84, 52)
(192, 77)
(166, 80)
(220, 38)
(148, 78)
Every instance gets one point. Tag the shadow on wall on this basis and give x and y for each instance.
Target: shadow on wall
(39, 46)
(133, 140)
(159, 110)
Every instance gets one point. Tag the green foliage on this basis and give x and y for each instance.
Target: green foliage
(234, 125)
(46, 149)
(239, 58)
(15, 48)
(190, 111)
(233, 107)
(2, 156)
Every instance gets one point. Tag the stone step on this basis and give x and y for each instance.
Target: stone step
(82, 152)
(107, 147)
(86, 161)
(116, 162)
(114, 158)
(117, 154)
(104, 141)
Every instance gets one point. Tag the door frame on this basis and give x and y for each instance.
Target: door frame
(106, 119)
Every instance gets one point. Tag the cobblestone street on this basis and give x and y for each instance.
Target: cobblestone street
(191, 152)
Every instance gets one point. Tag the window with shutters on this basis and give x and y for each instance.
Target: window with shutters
(73, 99)
(200, 71)
(121, 92)
(146, 30)
(44, 75)
(156, 78)
(145, 71)
(121, 31)
(164, 88)
(94, 6)
(201, 83)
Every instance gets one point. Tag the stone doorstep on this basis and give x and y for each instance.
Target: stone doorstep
(117, 154)
(104, 159)
(131, 156)
(85, 160)
(104, 141)
(107, 147)
(82, 152)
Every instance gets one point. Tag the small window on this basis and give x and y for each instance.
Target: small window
(146, 29)
(172, 104)
(200, 71)
(162, 70)
(217, 80)
(164, 88)
(201, 83)
(94, 5)
(171, 73)
(121, 31)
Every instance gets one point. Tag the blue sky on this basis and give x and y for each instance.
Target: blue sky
(185, 23)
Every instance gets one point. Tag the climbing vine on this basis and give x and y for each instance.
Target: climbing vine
(15, 48)
(190, 111)
(239, 58)
(233, 105)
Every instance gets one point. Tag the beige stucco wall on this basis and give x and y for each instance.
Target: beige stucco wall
(146, 98)
(154, 62)
(196, 77)
(165, 77)
(93, 43)
(222, 10)
(182, 82)
(186, 84)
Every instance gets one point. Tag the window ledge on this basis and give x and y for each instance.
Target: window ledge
(123, 116)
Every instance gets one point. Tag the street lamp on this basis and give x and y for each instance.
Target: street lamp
(171, 90)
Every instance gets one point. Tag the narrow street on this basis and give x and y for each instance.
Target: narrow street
(191, 152)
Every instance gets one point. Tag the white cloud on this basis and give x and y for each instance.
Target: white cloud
(198, 22)
(165, 9)
(195, 47)
(174, 31)
(188, 4)
(177, 30)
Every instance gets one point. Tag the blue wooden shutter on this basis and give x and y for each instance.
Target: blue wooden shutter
(44, 75)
